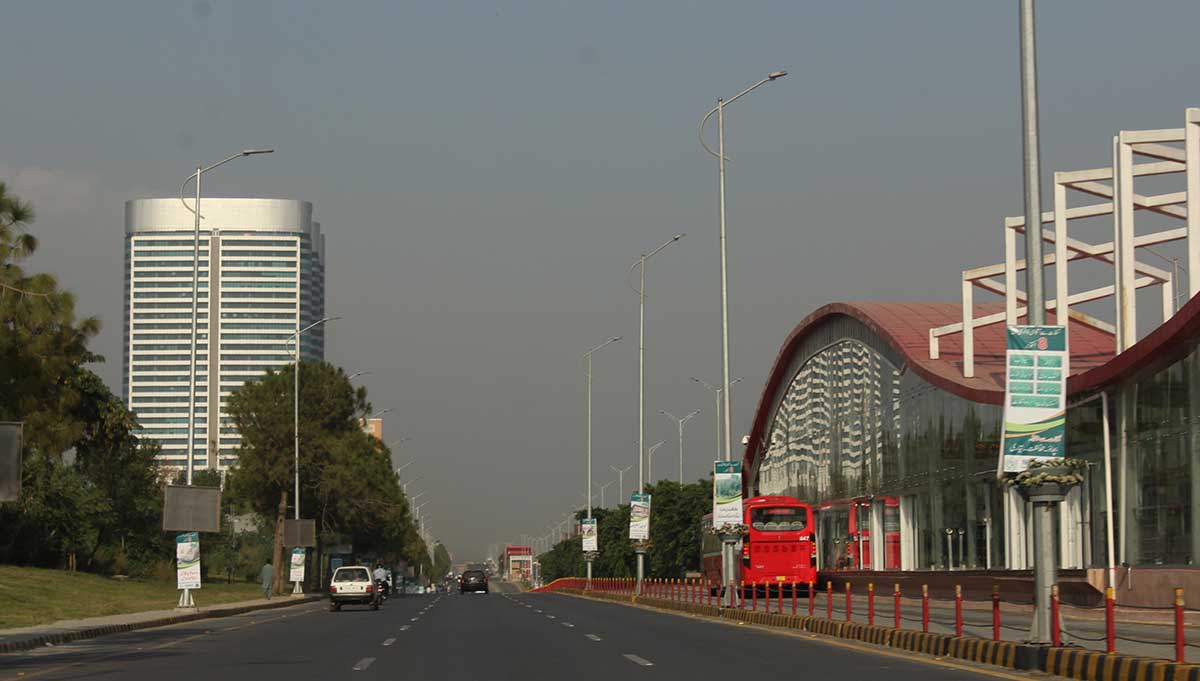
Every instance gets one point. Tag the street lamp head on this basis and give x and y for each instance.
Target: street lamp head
(330, 319)
(615, 339)
(252, 152)
(679, 236)
(776, 75)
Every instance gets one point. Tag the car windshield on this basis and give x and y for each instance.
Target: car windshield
(351, 575)
(779, 519)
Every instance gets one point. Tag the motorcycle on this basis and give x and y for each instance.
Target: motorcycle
(382, 590)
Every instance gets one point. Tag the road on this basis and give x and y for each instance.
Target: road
(464, 638)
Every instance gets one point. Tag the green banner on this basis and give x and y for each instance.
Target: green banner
(1035, 415)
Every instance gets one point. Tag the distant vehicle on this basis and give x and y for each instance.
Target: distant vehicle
(474, 581)
(779, 547)
(352, 585)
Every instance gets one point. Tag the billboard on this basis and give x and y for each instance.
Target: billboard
(639, 516)
(300, 533)
(590, 538)
(187, 561)
(10, 461)
(296, 574)
(189, 508)
(1035, 394)
(727, 493)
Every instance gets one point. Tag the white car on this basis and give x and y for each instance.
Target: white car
(352, 585)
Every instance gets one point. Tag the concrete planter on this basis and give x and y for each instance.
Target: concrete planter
(1048, 491)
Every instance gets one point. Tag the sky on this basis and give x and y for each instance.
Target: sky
(486, 173)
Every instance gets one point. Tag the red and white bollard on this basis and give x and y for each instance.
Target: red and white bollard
(1180, 641)
(995, 612)
(849, 609)
(925, 607)
(1055, 625)
(958, 622)
(870, 604)
(896, 604)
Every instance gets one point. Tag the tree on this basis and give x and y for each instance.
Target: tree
(69, 510)
(346, 480)
(676, 512)
(441, 561)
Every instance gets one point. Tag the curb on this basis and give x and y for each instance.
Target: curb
(60, 638)
(1073, 663)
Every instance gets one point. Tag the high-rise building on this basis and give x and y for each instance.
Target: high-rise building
(262, 278)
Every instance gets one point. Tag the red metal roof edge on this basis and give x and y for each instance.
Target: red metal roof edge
(1162, 346)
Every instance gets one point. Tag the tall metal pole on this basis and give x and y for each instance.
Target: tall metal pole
(588, 490)
(191, 439)
(1043, 551)
(724, 280)
(1033, 179)
(641, 375)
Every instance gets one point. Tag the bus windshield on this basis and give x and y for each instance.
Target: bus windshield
(779, 519)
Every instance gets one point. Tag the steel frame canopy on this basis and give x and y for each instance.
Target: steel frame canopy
(1116, 184)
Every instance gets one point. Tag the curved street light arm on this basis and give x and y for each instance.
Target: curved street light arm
(773, 76)
(201, 171)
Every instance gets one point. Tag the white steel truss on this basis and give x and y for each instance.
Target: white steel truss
(1116, 186)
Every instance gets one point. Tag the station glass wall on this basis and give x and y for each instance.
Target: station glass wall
(855, 433)
(872, 445)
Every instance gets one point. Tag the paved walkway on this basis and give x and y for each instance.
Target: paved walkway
(64, 631)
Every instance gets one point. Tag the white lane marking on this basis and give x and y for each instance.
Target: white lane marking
(388, 641)
(405, 627)
(363, 664)
(550, 617)
(568, 624)
(537, 611)
(594, 637)
(638, 660)
(414, 619)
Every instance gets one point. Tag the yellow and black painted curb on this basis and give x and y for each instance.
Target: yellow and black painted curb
(1091, 665)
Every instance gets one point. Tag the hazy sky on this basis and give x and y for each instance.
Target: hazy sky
(486, 173)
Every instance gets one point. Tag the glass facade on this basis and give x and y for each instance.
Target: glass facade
(881, 453)
(902, 474)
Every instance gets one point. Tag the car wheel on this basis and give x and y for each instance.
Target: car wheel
(334, 607)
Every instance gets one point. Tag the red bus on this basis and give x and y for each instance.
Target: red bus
(845, 531)
(780, 546)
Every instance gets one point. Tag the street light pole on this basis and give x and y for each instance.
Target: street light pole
(1043, 510)
(650, 460)
(717, 392)
(191, 436)
(602, 488)
(620, 482)
(641, 291)
(679, 422)
(296, 418)
(720, 154)
(587, 356)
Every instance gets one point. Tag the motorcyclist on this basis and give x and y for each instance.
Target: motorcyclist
(381, 577)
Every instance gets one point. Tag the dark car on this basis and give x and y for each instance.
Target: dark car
(473, 580)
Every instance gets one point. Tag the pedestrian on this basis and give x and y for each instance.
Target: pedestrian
(267, 575)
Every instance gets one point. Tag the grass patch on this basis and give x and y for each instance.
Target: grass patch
(32, 596)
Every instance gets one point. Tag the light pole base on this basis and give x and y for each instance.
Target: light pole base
(641, 566)
(297, 590)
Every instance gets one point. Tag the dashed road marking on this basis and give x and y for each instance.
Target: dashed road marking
(594, 637)
(414, 619)
(366, 662)
(388, 641)
(568, 624)
(405, 627)
(550, 617)
(638, 660)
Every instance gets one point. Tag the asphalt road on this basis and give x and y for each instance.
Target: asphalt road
(469, 637)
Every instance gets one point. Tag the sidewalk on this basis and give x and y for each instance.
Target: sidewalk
(65, 631)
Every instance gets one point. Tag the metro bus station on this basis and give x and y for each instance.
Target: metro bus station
(887, 417)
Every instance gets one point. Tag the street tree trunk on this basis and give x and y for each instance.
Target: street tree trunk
(277, 561)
